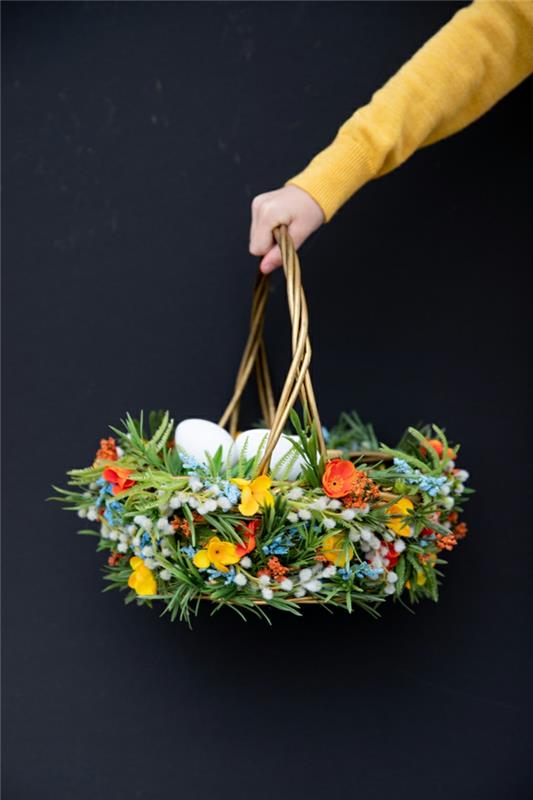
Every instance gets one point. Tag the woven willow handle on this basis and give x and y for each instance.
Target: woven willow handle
(298, 380)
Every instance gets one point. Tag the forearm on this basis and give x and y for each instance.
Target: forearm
(473, 61)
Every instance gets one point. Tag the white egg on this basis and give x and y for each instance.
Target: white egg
(196, 437)
(251, 441)
(296, 461)
(255, 441)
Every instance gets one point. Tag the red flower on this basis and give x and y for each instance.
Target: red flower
(340, 478)
(392, 556)
(119, 477)
(248, 534)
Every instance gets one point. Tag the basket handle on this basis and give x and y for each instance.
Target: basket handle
(298, 380)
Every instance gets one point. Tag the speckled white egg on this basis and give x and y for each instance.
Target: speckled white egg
(196, 437)
(256, 440)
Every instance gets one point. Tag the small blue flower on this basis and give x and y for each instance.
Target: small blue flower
(189, 462)
(113, 513)
(145, 539)
(402, 466)
(426, 483)
(214, 574)
(430, 484)
(213, 487)
(189, 551)
(105, 490)
(325, 433)
(230, 576)
(364, 570)
(231, 491)
(280, 545)
(345, 573)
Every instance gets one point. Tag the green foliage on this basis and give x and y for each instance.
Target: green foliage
(351, 434)
(307, 446)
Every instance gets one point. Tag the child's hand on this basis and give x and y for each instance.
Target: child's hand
(289, 206)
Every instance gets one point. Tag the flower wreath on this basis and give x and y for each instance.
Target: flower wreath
(351, 532)
(335, 519)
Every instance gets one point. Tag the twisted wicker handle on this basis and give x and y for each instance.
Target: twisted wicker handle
(298, 380)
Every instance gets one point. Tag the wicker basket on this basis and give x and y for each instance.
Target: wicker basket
(395, 488)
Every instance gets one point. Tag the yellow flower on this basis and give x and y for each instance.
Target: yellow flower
(400, 522)
(334, 549)
(420, 579)
(141, 579)
(254, 494)
(217, 553)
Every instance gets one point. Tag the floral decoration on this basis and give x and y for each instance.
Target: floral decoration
(369, 524)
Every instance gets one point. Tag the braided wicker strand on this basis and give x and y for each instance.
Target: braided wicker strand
(298, 381)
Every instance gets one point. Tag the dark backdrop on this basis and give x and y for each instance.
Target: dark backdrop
(136, 136)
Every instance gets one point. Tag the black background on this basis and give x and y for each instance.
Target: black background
(136, 136)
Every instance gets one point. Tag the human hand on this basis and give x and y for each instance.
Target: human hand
(289, 206)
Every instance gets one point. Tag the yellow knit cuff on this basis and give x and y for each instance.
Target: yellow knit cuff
(335, 174)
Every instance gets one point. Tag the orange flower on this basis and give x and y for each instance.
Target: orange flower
(118, 476)
(248, 534)
(340, 478)
(438, 447)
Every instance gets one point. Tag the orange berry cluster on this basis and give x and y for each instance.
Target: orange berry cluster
(447, 542)
(364, 491)
(276, 569)
(107, 450)
(180, 525)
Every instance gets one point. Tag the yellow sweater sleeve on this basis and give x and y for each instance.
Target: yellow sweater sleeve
(479, 56)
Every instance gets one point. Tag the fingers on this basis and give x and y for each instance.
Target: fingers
(289, 206)
(266, 215)
(271, 261)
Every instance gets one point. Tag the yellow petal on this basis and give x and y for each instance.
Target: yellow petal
(401, 512)
(220, 566)
(240, 482)
(267, 499)
(228, 554)
(261, 484)
(333, 549)
(201, 559)
(421, 578)
(147, 586)
(248, 505)
(136, 562)
(214, 548)
(132, 580)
